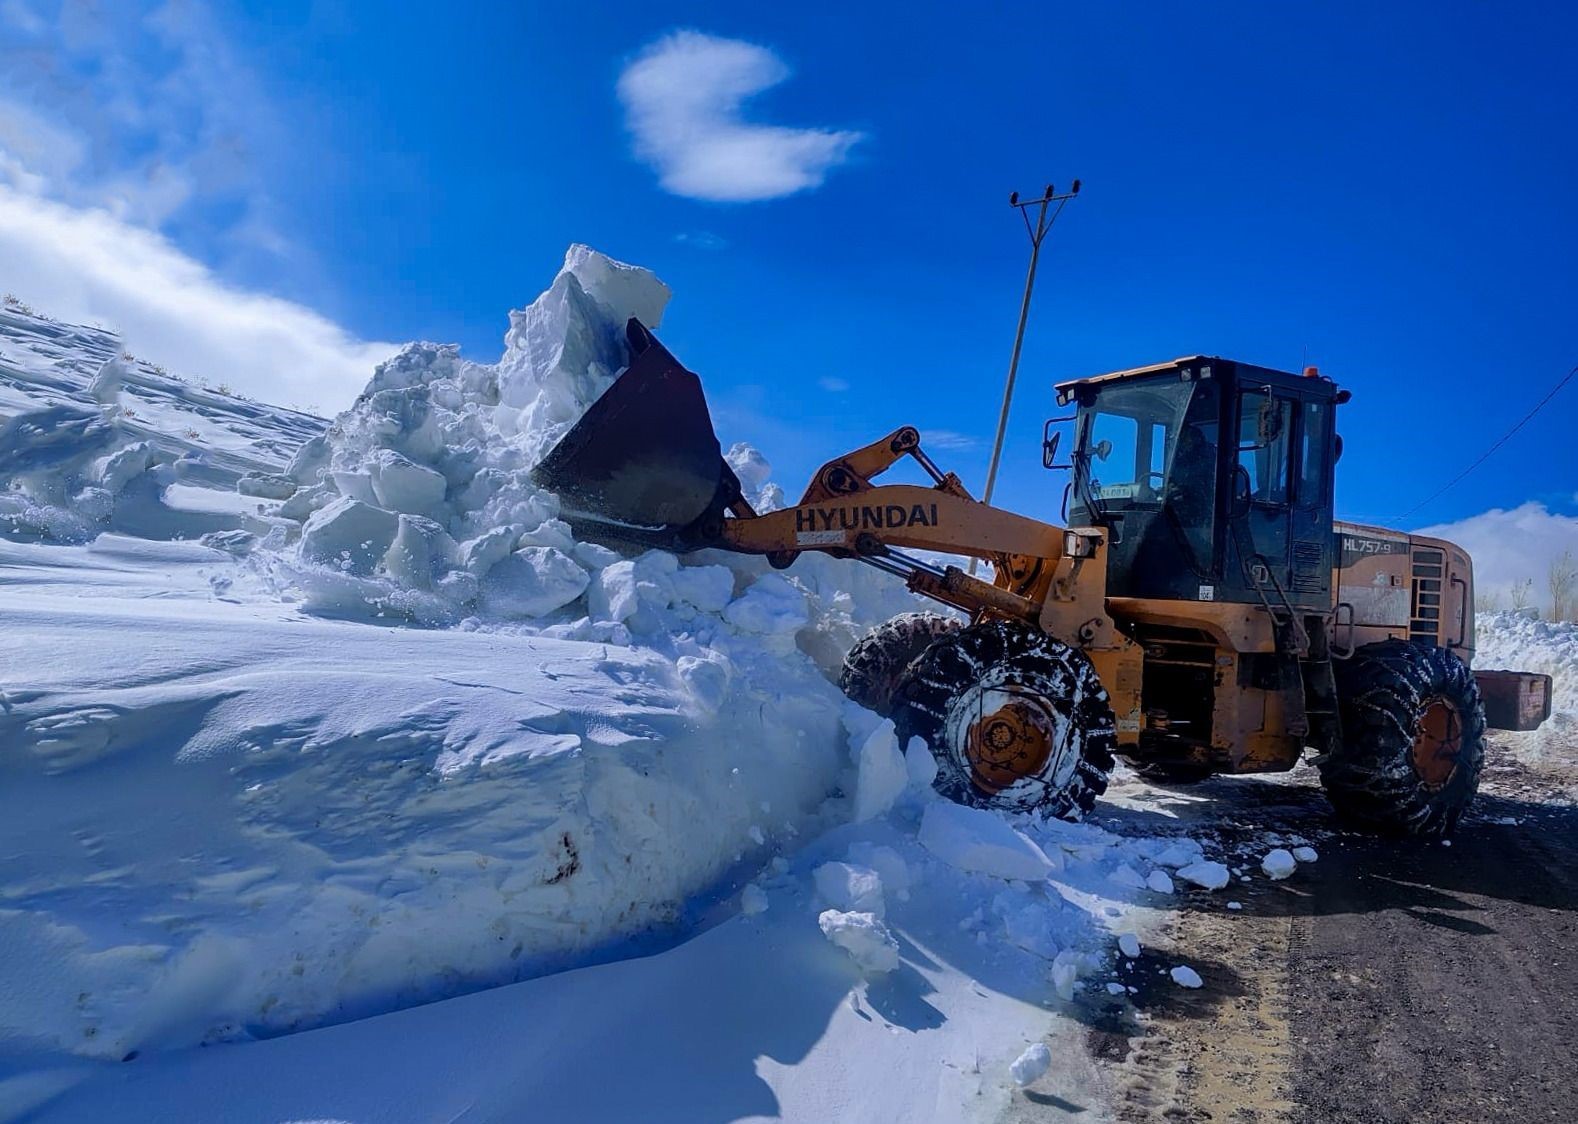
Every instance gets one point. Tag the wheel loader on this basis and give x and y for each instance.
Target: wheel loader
(1198, 611)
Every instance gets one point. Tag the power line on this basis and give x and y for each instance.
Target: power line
(1485, 456)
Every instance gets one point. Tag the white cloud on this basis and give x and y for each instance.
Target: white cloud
(832, 384)
(948, 439)
(142, 108)
(90, 266)
(1510, 546)
(682, 98)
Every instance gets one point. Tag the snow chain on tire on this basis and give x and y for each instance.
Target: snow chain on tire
(876, 663)
(959, 680)
(1393, 771)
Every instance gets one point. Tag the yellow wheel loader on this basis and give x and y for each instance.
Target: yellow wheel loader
(1200, 613)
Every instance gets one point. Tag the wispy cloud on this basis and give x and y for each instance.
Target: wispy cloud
(948, 439)
(683, 96)
(701, 239)
(88, 265)
(142, 109)
(833, 385)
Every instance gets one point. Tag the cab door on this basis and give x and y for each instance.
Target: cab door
(1261, 496)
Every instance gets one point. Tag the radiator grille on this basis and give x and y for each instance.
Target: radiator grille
(1429, 578)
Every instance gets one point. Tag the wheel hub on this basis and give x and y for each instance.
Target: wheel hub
(1438, 743)
(1003, 746)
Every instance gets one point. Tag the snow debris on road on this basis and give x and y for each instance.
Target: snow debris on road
(1129, 945)
(1278, 864)
(854, 889)
(1207, 874)
(1030, 1066)
(867, 940)
(1185, 976)
(1159, 881)
(753, 900)
(1235, 905)
(1305, 854)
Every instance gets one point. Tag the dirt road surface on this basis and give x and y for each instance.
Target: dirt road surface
(1387, 982)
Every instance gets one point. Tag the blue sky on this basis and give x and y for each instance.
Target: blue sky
(1382, 190)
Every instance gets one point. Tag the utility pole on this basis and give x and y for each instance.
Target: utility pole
(1037, 233)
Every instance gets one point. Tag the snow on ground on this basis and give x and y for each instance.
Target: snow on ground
(1522, 642)
(327, 749)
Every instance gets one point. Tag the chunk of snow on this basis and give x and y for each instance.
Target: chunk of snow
(1179, 853)
(708, 588)
(979, 840)
(1126, 875)
(533, 582)
(612, 596)
(1211, 875)
(771, 606)
(753, 900)
(866, 939)
(888, 863)
(1305, 854)
(1185, 976)
(1278, 863)
(349, 535)
(921, 764)
(850, 888)
(1031, 1065)
(1160, 881)
(881, 775)
(267, 485)
(1129, 945)
(1235, 905)
(1115, 988)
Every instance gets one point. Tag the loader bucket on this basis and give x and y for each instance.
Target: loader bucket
(643, 464)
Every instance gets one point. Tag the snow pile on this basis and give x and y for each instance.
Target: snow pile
(418, 501)
(1185, 976)
(1523, 643)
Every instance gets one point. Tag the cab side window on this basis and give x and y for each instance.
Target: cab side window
(1314, 439)
(1265, 435)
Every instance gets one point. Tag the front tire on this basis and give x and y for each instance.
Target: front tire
(1016, 719)
(1413, 739)
(877, 662)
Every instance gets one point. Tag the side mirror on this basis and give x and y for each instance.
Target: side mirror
(1050, 441)
(1049, 448)
(1243, 492)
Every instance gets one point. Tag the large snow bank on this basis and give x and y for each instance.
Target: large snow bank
(1522, 642)
(238, 821)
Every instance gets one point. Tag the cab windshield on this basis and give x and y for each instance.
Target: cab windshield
(1150, 446)
(1128, 437)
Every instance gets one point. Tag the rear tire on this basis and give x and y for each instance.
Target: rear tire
(1413, 739)
(877, 662)
(1016, 719)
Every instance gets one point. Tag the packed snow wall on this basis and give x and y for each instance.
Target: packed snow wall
(280, 804)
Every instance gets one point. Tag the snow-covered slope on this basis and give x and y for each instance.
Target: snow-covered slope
(1522, 641)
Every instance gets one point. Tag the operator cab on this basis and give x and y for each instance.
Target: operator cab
(1213, 479)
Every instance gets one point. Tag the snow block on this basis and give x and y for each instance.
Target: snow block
(400, 484)
(267, 485)
(349, 535)
(773, 606)
(613, 597)
(1031, 1065)
(881, 773)
(1185, 976)
(845, 886)
(533, 582)
(864, 937)
(1210, 875)
(978, 840)
(1278, 864)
